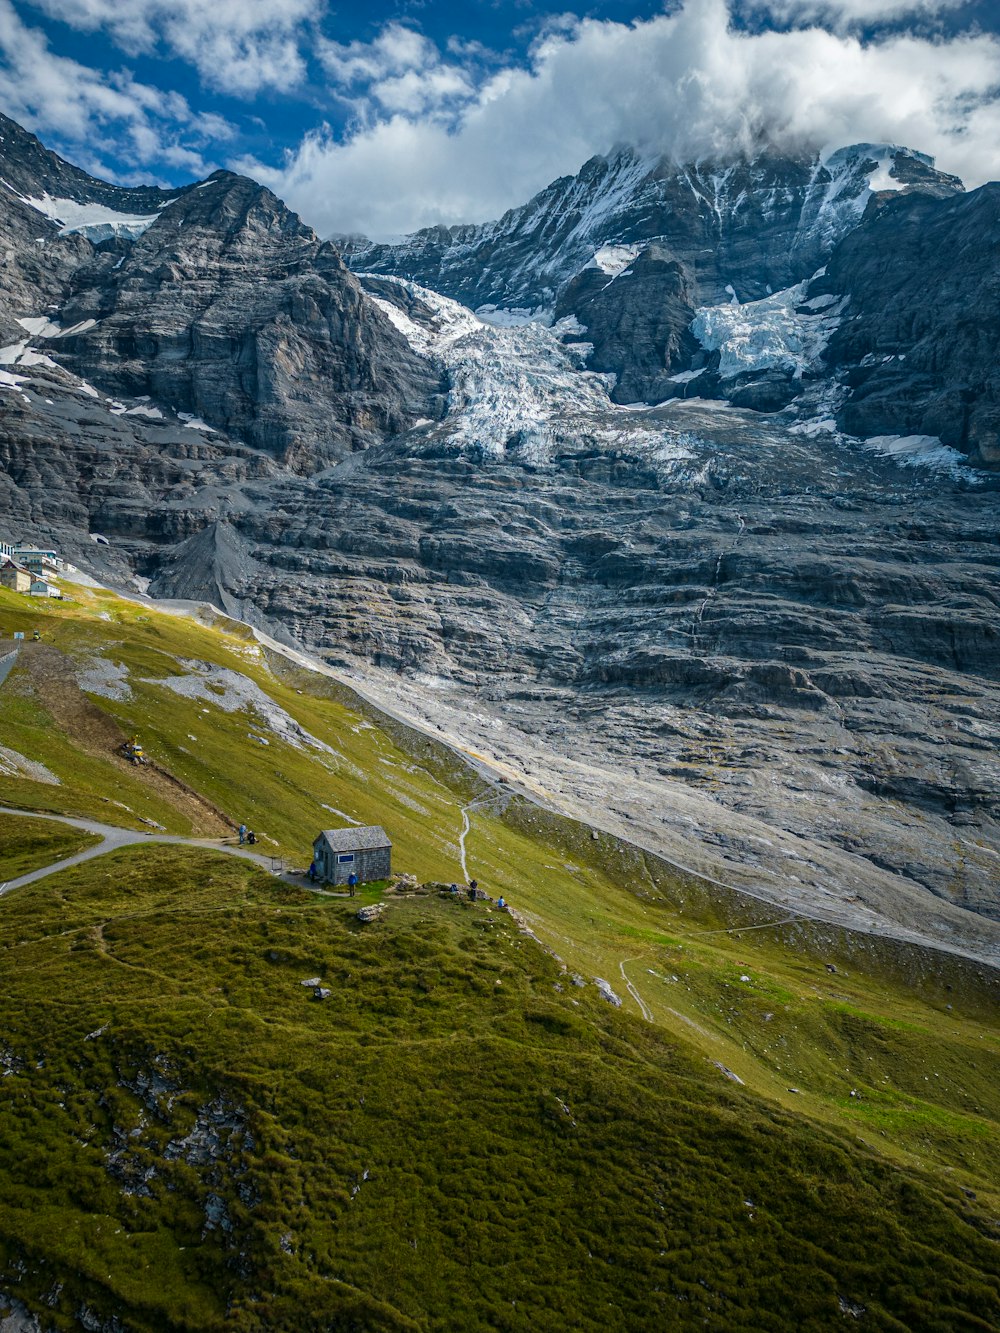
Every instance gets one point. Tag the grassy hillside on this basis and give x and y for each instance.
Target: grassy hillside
(867, 1116)
(457, 1137)
(29, 844)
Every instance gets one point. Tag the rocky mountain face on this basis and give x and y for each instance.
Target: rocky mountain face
(230, 309)
(639, 327)
(220, 304)
(746, 640)
(918, 352)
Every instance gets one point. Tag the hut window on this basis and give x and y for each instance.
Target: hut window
(345, 857)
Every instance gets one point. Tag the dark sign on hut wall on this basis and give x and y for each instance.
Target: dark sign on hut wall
(364, 851)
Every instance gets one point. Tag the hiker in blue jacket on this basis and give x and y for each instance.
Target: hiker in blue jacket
(352, 882)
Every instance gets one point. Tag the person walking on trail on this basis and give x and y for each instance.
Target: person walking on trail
(352, 882)
(242, 830)
(312, 872)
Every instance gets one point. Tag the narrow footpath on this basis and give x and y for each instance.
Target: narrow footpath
(114, 837)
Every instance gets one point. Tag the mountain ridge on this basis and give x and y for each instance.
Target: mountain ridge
(632, 198)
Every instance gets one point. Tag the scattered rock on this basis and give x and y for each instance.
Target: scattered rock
(853, 1309)
(724, 1069)
(17, 1318)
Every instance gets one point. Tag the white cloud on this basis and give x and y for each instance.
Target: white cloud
(400, 71)
(685, 83)
(102, 111)
(237, 46)
(395, 50)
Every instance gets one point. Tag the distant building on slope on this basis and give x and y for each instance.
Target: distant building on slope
(39, 561)
(42, 588)
(364, 851)
(15, 577)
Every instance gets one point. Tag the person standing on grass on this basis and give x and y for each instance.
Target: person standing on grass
(243, 833)
(352, 882)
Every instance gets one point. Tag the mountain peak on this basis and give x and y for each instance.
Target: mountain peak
(770, 218)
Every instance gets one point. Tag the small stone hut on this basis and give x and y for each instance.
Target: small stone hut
(364, 851)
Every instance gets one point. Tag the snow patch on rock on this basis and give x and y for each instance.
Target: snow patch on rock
(614, 259)
(95, 221)
(84, 326)
(922, 451)
(192, 422)
(39, 326)
(12, 353)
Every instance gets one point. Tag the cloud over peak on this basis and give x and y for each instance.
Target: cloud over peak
(439, 138)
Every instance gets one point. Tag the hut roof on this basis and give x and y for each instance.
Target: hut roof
(361, 839)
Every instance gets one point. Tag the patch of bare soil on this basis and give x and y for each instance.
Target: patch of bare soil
(50, 676)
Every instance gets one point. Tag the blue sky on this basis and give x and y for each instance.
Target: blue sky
(399, 113)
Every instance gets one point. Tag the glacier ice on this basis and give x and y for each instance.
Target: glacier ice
(777, 332)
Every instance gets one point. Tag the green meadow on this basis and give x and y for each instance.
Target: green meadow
(782, 1124)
